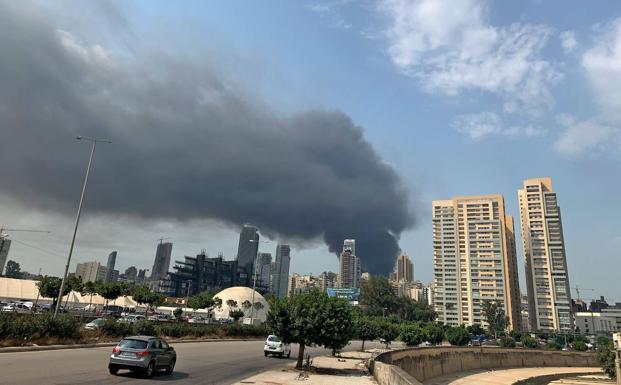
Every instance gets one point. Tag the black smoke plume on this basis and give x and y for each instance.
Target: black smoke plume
(186, 144)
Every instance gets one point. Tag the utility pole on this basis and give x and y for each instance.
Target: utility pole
(77, 218)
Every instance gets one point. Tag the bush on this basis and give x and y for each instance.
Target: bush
(145, 328)
(412, 335)
(113, 328)
(580, 346)
(458, 336)
(606, 356)
(507, 342)
(529, 342)
(33, 326)
(64, 326)
(554, 346)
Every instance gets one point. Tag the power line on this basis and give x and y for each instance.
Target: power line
(56, 254)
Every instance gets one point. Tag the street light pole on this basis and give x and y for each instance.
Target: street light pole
(77, 218)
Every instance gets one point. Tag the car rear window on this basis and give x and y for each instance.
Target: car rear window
(133, 344)
(273, 339)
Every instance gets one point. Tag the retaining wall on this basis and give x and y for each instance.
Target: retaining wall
(421, 364)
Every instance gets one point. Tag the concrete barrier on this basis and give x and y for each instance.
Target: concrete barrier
(421, 364)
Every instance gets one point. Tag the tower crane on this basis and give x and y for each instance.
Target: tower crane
(162, 239)
(577, 289)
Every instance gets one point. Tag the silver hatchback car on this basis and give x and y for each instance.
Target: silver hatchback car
(144, 354)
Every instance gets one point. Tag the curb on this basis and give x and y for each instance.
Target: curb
(17, 349)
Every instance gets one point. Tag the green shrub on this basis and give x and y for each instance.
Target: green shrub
(554, 346)
(529, 342)
(64, 326)
(145, 328)
(507, 342)
(113, 328)
(580, 346)
(412, 335)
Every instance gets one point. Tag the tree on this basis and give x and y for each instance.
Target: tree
(13, 270)
(516, 335)
(309, 319)
(606, 356)
(475, 330)
(388, 332)
(110, 292)
(236, 314)
(458, 336)
(178, 312)
(144, 296)
(433, 333)
(367, 329)
(74, 283)
(411, 310)
(377, 297)
(507, 342)
(203, 300)
(336, 331)
(580, 346)
(412, 335)
(494, 314)
(89, 288)
(49, 287)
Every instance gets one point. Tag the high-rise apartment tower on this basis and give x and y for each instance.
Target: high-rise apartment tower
(349, 265)
(404, 269)
(547, 281)
(247, 252)
(474, 260)
(280, 271)
(162, 260)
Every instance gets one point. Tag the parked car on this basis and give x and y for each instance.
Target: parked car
(9, 307)
(95, 324)
(131, 318)
(160, 317)
(275, 346)
(198, 320)
(142, 353)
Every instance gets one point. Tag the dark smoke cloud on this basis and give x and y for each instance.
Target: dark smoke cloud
(186, 144)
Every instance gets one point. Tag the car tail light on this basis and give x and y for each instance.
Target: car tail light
(142, 354)
(116, 350)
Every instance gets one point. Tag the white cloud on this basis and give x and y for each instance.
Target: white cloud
(331, 12)
(568, 41)
(602, 64)
(484, 124)
(450, 47)
(94, 54)
(581, 137)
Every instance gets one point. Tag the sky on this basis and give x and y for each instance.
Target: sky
(316, 121)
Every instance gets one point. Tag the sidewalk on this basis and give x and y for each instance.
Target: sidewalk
(348, 370)
(503, 376)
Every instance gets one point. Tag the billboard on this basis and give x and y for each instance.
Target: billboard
(350, 294)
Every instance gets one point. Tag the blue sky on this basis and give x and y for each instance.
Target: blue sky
(460, 97)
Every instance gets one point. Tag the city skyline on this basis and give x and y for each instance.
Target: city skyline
(492, 129)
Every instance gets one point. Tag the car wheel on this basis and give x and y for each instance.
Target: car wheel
(289, 354)
(148, 372)
(171, 367)
(265, 354)
(279, 355)
(112, 370)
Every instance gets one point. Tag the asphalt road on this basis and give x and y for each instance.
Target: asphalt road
(206, 363)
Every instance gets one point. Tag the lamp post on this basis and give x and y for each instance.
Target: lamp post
(77, 218)
(254, 280)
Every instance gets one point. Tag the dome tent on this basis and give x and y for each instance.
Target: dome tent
(241, 294)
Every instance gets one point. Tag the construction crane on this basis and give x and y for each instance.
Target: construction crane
(162, 239)
(577, 289)
(4, 235)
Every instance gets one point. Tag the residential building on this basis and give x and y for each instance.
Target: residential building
(303, 283)
(91, 272)
(131, 273)
(474, 260)
(162, 261)
(247, 250)
(547, 280)
(142, 275)
(264, 270)
(404, 269)
(598, 305)
(349, 266)
(327, 280)
(5, 245)
(110, 266)
(280, 271)
(194, 275)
